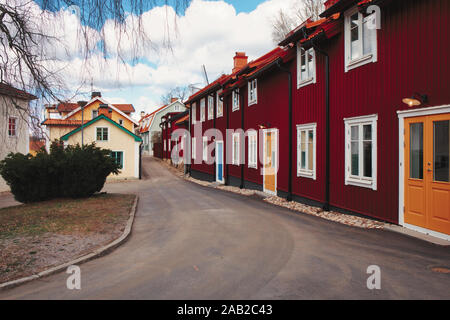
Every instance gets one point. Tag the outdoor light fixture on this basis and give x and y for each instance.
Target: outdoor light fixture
(416, 100)
(264, 125)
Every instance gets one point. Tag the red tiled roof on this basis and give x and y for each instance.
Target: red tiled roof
(67, 106)
(36, 144)
(126, 108)
(7, 90)
(208, 87)
(60, 122)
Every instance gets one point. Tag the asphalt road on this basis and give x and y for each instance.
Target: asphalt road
(192, 242)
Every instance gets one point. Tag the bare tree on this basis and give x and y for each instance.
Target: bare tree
(182, 93)
(30, 40)
(285, 21)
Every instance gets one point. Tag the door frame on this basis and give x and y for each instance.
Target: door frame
(401, 169)
(265, 131)
(223, 164)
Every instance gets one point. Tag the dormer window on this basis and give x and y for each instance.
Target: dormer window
(94, 114)
(252, 92)
(306, 66)
(235, 97)
(360, 39)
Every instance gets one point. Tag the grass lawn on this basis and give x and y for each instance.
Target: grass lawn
(36, 236)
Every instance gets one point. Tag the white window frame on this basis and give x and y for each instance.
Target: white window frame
(121, 122)
(253, 149)
(210, 107)
(306, 173)
(235, 100)
(165, 143)
(202, 110)
(194, 148)
(176, 107)
(194, 113)
(236, 158)
(205, 149)
(107, 130)
(253, 92)
(360, 180)
(219, 103)
(364, 58)
(93, 111)
(310, 78)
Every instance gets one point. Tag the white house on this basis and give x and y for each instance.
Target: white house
(14, 123)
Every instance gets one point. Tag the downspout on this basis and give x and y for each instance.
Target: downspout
(242, 144)
(284, 69)
(326, 205)
(214, 125)
(227, 174)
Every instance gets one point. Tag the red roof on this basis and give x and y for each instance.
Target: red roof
(203, 91)
(7, 90)
(70, 106)
(60, 122)
(36, 144)
(186, 117)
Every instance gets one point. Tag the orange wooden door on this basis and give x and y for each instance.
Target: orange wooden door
(270, 162)
(438, 173)
(427, 174)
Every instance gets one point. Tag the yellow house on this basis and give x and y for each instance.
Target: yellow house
(109, 126)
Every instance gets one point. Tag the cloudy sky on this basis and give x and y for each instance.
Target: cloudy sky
(206, 33)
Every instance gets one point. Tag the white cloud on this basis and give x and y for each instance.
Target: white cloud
(209, 33)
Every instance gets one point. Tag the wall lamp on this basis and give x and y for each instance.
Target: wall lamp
(416, 100)
(264, 125)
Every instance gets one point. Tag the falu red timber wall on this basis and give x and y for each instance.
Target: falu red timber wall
(412, 49)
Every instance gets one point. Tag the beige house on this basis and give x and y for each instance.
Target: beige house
(14, 128)
(109, 126)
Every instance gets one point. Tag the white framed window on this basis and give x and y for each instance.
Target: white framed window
(235, 98)
(210, 107)
(253, 149)
(121, 122)
(236, 149)
(102, 133)
(194, 148)
(360, 39)
(306, 150)
(219, 105)
(252, 92)
(176, 108)
(202, 110)
(194, 113)
(361, 151)
(306, 66)
(205, 149)
(94, 114)
(12, 126)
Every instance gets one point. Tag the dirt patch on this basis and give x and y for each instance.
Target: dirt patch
(35, 237)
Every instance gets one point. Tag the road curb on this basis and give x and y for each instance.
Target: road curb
(90, 256)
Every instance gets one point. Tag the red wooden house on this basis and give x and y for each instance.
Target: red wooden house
(171, 122)
(351, 112)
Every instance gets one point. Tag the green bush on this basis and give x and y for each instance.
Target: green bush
(66, 172)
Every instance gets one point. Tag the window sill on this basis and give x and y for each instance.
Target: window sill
(306, 82)
(370, 184)
(252, 166)
(352, 64)
(252, 103)
(235, 109)
(303, 174)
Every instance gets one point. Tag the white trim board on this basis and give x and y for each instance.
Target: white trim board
(401, 157)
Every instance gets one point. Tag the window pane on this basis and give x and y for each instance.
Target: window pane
(303, 65)
(355, 132)
(369, 36)
(441, 151)
(367, 160)
(310, 63)
(416, 151)
(367, 132)
(354, 36)
(355, 158)
(310, 150)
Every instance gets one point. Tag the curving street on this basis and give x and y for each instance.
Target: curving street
(193, 242)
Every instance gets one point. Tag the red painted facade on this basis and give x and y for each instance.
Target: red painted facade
(412, 50)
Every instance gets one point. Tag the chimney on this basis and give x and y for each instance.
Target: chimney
(142, 114)
(172, 100)
(104, 109)
(330, 3)
(82, 103)
(96, 94)
(240, 60)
